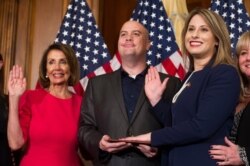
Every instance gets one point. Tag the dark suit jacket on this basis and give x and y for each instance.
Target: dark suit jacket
(7, 158)
(103, 112)
(201, 116)
(243, 134)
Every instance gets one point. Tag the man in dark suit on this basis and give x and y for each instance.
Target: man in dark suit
(115, 106)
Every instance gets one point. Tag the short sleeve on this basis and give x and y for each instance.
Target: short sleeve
(25, 114)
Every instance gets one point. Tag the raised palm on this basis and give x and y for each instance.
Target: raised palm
(154, 88)
(16, 81)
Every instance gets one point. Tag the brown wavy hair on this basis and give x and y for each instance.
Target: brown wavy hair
(220, 32)
(72, 61)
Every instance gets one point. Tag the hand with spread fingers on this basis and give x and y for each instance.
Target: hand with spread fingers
(17, 82)
(154, 88)
(226, 154)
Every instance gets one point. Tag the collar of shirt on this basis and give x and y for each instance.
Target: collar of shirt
(142, 74)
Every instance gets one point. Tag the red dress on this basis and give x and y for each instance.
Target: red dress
(49, 126)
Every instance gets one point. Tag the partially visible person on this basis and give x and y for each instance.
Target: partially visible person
(7, 157)
(237, 149)
(202, 110)
(45, 121)
(115, 106)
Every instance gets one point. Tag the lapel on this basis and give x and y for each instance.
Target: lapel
(117, 89)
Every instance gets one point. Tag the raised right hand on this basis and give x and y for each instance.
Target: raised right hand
(16, 82)
(154, 88)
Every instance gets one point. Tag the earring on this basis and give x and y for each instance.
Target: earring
(46, 76)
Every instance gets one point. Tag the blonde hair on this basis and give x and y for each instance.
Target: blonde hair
(220, 32)
(243, 42)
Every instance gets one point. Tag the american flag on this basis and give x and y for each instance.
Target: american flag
(235, 15)
(79, 30)
(164, 52)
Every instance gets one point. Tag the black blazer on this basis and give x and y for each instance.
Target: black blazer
(202, 116)
(103, 112)
(7, 158)
(243, 134)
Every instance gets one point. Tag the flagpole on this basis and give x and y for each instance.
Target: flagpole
(247, 5)
(177, 12)
(94, 5)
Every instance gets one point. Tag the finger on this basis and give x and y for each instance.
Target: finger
(149, 155)
(106, 137)
(219, 147)
(146, 79)
(224, 161)
(20, 72)
(14, 71)
(143, 150)
(119, 148)
(164, 84)
(150, 73)
(218, 157)
(17, 71)
(221, 163)
(147, 148)
(143, 147)
(149, 152)
(11, 75)
(103, 142)
(24, 82)
(153, 153)
(217, 152)
(156, 73)
(117, 144)
(110, 147)
(228, 142)
(127, 139)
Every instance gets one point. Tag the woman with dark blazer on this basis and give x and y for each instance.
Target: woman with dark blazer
(237, 149)
(202, 110)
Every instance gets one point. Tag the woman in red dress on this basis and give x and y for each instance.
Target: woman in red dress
(44, 121)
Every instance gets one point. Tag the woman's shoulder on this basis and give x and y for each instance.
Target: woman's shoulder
(77, 97)
(224, 70)
(34, 93)
(224, 67)
(222, 73)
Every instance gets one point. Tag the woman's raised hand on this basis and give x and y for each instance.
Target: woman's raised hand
(16, 81)
(154, 88)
